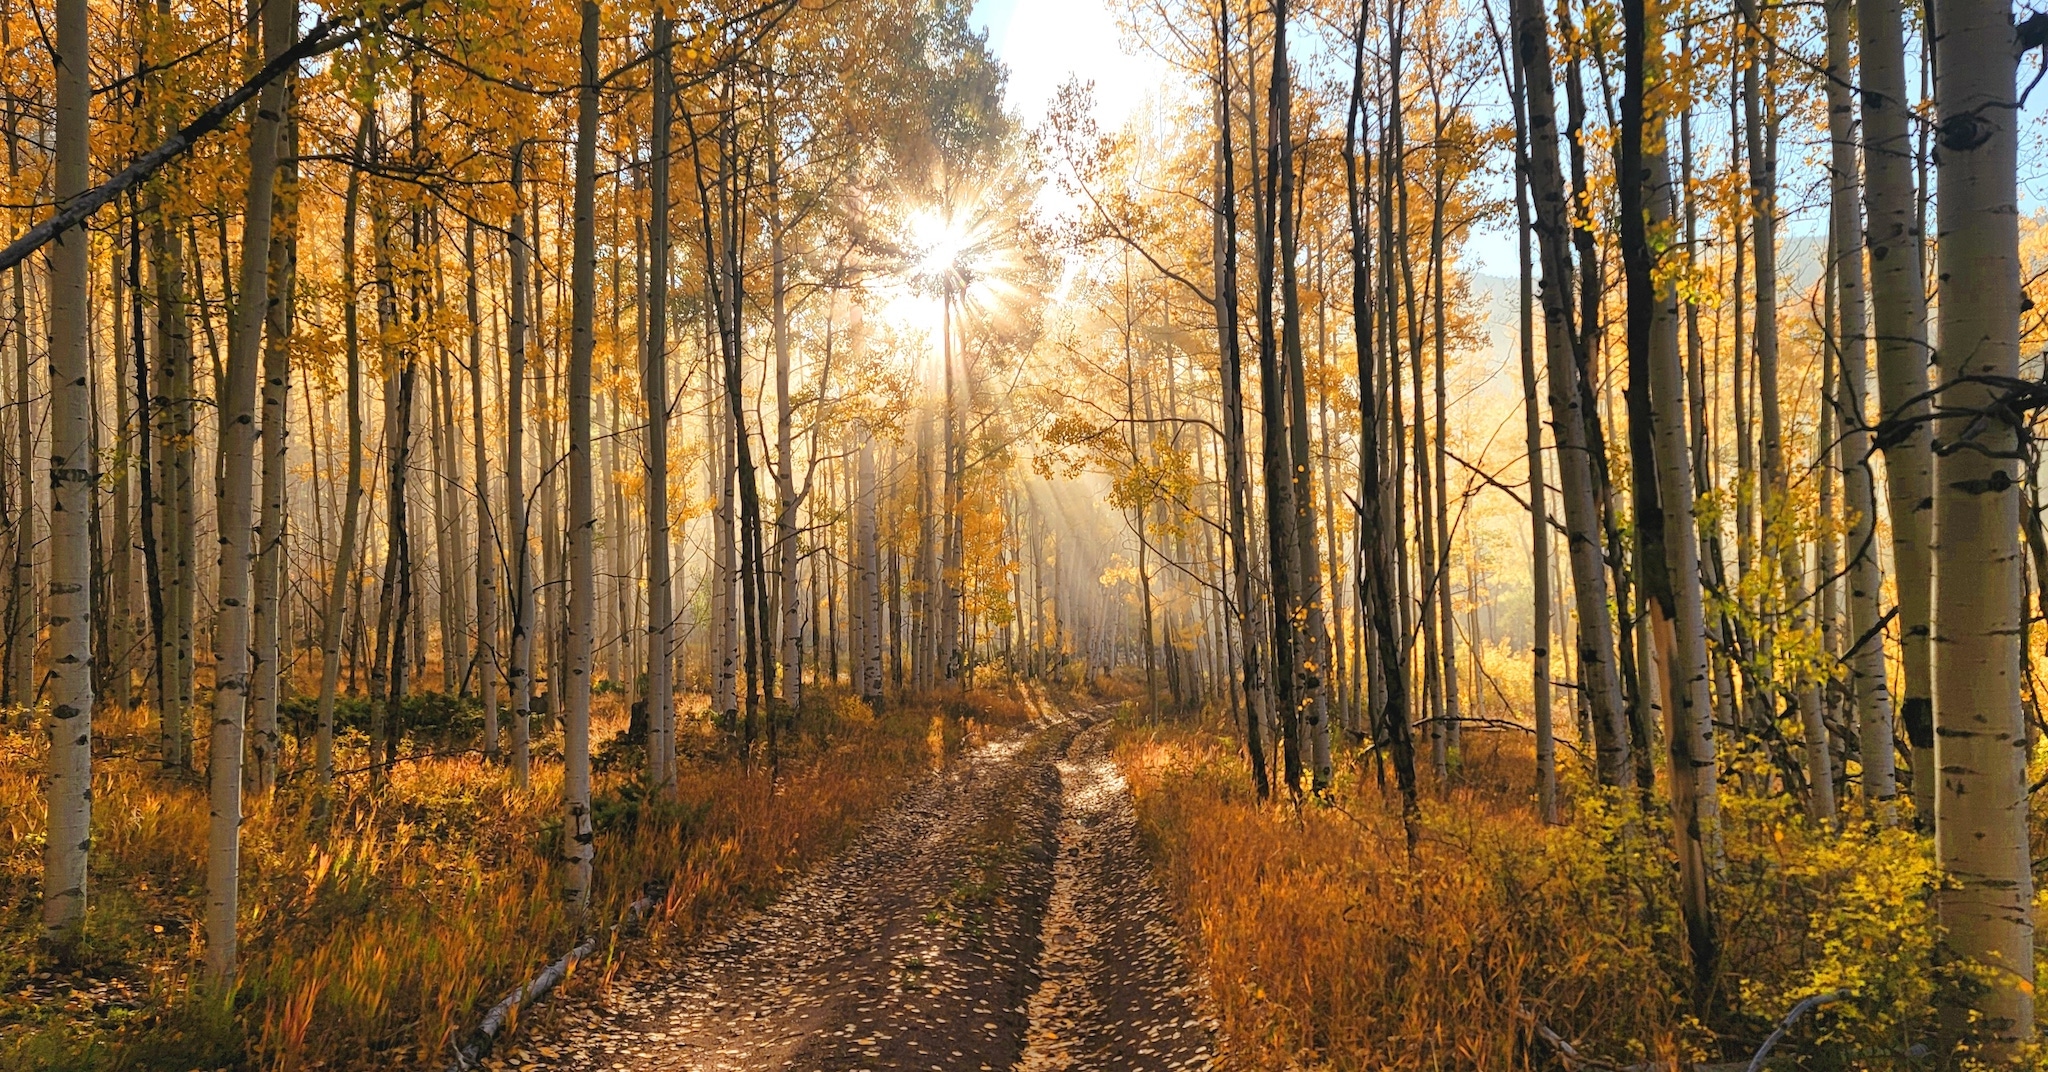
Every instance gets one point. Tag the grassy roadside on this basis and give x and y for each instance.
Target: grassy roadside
(1327, 947)
(379, 924)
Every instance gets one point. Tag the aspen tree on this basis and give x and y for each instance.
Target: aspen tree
(582, 623)
(654, 369)
(17, 683)
(265, 672)
(488, 543)
(1539, 519)
(1985, 903)
(1899, 322)
(69, 689)
(1598, 680)
(237, 554)
(1852, 347)
(338, 582)
(1667, 550)
(519, 668)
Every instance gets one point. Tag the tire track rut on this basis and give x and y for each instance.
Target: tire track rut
(1001, 917)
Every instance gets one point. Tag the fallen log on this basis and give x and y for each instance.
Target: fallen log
(469, 1054)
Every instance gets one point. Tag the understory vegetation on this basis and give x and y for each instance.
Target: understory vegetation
(379, 925)
(1327, 944)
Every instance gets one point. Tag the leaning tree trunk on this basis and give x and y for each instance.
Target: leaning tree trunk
(1985, 903)
(1599, 682)
(1899, 315)
(576, 830)
(70, 598)
(237, 551)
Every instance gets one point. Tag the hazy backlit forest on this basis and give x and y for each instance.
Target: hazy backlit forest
(925, 534)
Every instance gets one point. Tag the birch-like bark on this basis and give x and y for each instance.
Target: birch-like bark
(1667, 548)
(237, 550)
(519, 668)
(1985, 902)
(1237, 468)
(654, 370)
(577, 844)
(69, 688)
(1539, 519)
(487, 543)
(265, 677)
(1282, 547)
(1866, 642)
(1899, 317)
(338, 583)
(1599, 682)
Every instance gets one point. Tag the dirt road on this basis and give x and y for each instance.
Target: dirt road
(1000, 917)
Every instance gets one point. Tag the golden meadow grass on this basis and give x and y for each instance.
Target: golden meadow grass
(379, 924)
(1326, 947)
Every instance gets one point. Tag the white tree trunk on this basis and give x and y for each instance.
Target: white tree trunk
(487, 543)
(1985, 903)
(519, 670)
(237, 553)
(654, 370)
(266, 680)
(1899, 315)
(582, 622)
(70, 597)
(1866, 656)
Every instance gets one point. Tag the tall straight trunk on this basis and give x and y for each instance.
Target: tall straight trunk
(1899, 317)
(1236, 467)
(178, 430)
(1599, 682)
(1282, 547)
(130, 443)
(654, 373)
(1866, 650)
(724, 568)
(487, 540)
(577, 835)
(266, 678)
(339, 583)
(1314, 654)
(785, 458)
(443, 477)
(69, 688)
(23, 621)
(1539, 518)
(519, 668)
(1985, 902)
(868, 598)
(1447, 632)
(1667, 548)
(1390, 725)
(237, 554)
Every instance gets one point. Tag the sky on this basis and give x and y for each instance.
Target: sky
(1045, 42)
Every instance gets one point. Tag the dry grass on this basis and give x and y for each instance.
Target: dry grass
(1328, 947)
(378, 924)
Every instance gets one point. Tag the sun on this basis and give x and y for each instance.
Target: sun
(939, 241)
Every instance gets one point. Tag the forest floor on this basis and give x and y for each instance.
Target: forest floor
(1003, 915)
